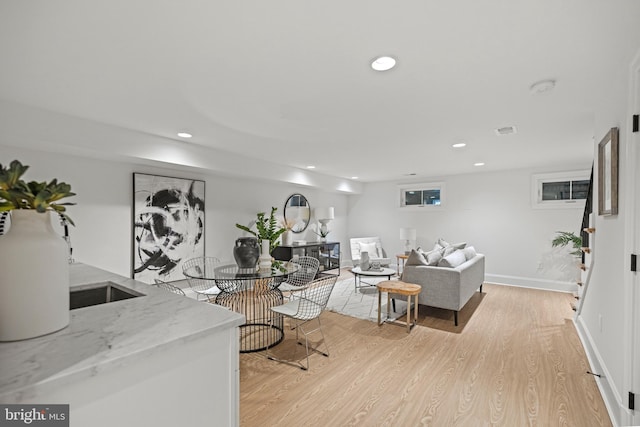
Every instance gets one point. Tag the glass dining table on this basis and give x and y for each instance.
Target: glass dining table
(251, 292)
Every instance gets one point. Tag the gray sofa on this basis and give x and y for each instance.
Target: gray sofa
(445, 287)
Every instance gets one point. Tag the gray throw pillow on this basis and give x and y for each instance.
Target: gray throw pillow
(454, 259)
(433, 257)
(415, 258)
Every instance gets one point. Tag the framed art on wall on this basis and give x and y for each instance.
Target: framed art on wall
(168, 225)
(608, 174)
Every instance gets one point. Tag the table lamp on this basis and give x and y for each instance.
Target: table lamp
(408, 235)
(324, 215)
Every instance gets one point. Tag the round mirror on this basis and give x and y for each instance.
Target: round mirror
(297, 212)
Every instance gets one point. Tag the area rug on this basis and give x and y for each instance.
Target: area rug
(362, 303)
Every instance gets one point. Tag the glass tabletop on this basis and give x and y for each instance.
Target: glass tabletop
(226, 271)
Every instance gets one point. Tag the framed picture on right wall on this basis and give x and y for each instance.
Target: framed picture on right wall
(608, 174)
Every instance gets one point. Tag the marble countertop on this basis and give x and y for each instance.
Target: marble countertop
(103, 337)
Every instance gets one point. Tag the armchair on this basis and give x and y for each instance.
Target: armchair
(373, 246)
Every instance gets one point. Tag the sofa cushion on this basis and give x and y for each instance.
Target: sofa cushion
(447, 248)
(370, 248)
(447, 251)
(454, 259)
(469, 252)
(415, 258)
(433, 257)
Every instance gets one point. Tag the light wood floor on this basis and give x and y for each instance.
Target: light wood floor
(515, 360)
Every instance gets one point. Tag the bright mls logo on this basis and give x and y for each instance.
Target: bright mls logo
(34, 415)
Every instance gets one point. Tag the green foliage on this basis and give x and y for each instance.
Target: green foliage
(267, 228)
(40, 196)
(321, 233)
(565, 238)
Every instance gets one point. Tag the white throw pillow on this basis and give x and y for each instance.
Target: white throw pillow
(454, 259)
(448, 251)
(450, 247)
(370, 248)
(469, 252)
(443, 243)
(460, 245)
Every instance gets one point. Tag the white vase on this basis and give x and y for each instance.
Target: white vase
(34, 278)
(364, 261)
(264, 262)
(287, 238)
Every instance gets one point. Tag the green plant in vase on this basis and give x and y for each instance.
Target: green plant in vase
(267, 228)
(322, 233)
(34, 260)
(39, 196)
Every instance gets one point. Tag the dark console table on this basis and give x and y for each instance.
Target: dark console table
(328, 253)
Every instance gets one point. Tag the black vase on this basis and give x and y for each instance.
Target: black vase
(246, 252)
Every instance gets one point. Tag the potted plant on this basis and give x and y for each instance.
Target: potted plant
(323, 234)
(39, 196)
(246, 251)
(267, 228)
(565, 238)
(34, 260)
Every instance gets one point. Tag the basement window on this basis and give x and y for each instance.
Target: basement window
(422, 195)
(560, 190)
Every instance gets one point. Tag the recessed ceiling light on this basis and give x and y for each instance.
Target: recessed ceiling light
(354, 177)
(184, 135)
(311, 167)
(506, 130)
(542, 86)
(478, 164)
(459, 145)
(383, 63)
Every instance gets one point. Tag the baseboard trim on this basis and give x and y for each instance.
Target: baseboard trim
(613, 401)
(528, 282)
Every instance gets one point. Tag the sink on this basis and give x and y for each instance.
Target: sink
(99, 293)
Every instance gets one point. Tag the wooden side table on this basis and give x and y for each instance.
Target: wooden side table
(402, 288)
(403, 258)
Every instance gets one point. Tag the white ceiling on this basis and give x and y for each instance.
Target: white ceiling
(289, 81)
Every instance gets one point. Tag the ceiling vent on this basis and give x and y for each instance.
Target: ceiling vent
(507, 130)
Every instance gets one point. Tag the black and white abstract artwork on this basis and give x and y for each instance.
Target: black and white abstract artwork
(168, 225)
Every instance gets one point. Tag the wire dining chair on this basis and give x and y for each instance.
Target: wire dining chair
(310, 302)
(196, 270)
(169, 287)
(306, 273)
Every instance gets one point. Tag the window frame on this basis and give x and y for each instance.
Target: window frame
(537, 181)
(421, 186)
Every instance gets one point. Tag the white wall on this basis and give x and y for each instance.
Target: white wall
(103, 214)
(606, 318)
(491, 211)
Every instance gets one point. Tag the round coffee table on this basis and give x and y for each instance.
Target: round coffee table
(358, 273)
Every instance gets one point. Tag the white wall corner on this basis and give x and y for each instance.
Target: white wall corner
(619, 414)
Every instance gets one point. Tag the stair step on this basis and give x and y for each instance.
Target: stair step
(573, 307)
(579, 283)
(586, 250)
(590, 230)
(583, 267)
